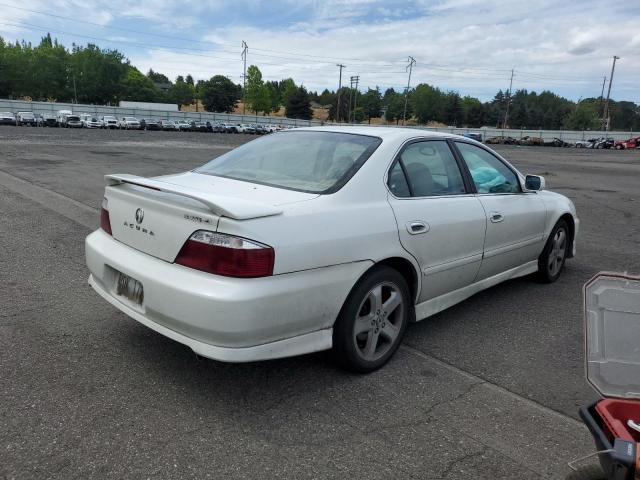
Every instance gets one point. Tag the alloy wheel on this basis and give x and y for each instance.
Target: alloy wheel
(378, 321)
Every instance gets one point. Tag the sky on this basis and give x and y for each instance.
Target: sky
(469, 46)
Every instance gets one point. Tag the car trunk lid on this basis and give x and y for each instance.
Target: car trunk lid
(157, 215)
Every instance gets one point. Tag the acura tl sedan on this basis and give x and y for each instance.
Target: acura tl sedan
(322, 238)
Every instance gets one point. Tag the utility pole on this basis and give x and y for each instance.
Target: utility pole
(245, 47)
(604, 80)
(605, 117)
(337, 119)
(412, 62)
(354, 81)
(75, 93)
(506, 111)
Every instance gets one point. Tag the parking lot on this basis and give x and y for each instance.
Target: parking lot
(488, 389)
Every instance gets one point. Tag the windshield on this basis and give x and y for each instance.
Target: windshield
(308, 161)
(73, 118)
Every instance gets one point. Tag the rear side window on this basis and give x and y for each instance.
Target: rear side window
(489, 174)
(426, 169)
(308, 161)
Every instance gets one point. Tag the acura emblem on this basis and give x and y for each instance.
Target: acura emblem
(139, 215)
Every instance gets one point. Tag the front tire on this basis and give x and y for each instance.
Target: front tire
(372, 321)
(554, 255)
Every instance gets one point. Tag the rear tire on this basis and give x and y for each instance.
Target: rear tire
(551, 260)
(372, 321)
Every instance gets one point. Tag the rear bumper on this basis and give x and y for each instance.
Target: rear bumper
(228, 319)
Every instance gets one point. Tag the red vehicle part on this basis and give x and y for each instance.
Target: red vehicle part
(615, 414)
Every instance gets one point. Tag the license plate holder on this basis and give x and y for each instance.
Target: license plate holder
(129, 288)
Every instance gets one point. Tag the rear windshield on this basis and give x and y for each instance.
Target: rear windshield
(307, 161)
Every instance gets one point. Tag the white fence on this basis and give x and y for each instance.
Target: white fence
(100, 110)
(569, 136)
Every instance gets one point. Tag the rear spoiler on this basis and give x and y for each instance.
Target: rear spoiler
(220, 205)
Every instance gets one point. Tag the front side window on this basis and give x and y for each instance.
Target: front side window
(315, 162)
(489, 174)
(426, 169)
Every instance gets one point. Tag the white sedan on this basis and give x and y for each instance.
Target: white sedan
(320, 238)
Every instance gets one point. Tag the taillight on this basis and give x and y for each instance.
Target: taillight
(226, 255)
(105, 222)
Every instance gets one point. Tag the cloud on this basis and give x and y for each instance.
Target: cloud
(465, 45)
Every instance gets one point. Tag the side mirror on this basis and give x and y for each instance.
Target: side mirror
(534, 183)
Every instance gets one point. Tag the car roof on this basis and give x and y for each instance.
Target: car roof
(385, 133)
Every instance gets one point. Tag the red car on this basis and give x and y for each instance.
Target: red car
(624, 144)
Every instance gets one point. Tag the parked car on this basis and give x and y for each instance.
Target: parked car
(473, 136)
(501, 140)
(130, 123)
(90, 121)
(7, 118)
(259, 129)
(281, 256)
(110, 122)
(229, 128)
(49, 120)
(629, 144)
(26, 118)
(217, 127)
(243, 128)
(199, 126)
(530, 141)
(184, 125)
(604, 143)
(62, 117)
(150, 124)
(586, 143)
(72, 121)
(169, 125)
(556, 142)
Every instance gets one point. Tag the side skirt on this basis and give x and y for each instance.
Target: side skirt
(438, 304)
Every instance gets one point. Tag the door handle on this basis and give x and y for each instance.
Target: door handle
(496, 217)
(415, 227)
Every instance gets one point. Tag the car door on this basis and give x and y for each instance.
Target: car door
(516, 219)
(440, 221)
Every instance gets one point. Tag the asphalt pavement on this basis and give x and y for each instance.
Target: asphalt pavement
(487, 389)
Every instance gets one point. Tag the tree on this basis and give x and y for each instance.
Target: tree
(342, 115)
(394, 103)
(219, 94)
(138, 87)
(453, 112)
(298, 104)
(256, 94)
(157, 77)
(583, 117)
(371, 103)
(428, 103)
(181, 93)
(286, 87)
(474, 112)
(189, 80)
(99, 74)
(274, 95)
